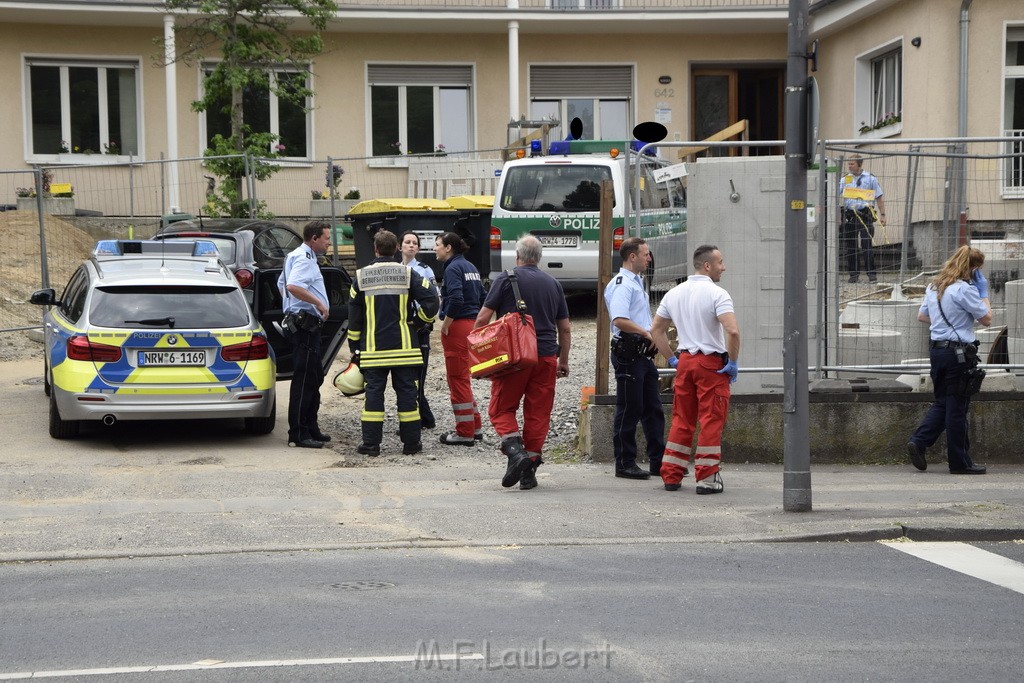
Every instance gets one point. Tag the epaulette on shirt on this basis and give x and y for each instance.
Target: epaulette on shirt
(618, 280)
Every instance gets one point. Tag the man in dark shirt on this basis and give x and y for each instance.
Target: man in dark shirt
(545, 302)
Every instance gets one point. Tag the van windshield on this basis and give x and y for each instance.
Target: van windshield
(553, 187)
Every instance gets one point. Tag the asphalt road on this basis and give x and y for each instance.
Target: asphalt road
(766, 612)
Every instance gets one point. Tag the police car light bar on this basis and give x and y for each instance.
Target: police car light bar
(612, 147)
(156, 248)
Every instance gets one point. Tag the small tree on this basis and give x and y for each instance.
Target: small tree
(253, 38)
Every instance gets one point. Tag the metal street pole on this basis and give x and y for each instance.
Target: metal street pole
(796, 488)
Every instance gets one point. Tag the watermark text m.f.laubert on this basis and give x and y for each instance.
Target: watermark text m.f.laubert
(485, 656)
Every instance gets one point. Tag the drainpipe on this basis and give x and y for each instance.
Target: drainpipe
(171, 105)
(961, 127)
(965, 20)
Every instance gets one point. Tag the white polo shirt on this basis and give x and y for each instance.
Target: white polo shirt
(694, 307)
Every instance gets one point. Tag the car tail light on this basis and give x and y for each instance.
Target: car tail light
(617, 237)
(495, 238)
(254, 349)
(80, 348)
(244, 277)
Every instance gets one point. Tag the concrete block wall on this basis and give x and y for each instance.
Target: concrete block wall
(750, 231)
(851, 428)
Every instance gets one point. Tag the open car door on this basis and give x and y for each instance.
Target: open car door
(268, 308)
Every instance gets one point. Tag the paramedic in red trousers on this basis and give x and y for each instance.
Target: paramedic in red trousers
(637, 397)
(709, 344)
(462, 292)
(381, 334)
(534, 387)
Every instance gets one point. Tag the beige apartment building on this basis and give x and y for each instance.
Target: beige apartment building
(84, 85)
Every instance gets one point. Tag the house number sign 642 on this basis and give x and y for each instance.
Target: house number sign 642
(664, 92)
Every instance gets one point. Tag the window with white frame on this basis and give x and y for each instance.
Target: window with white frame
(420, 109)
(879, 91)
(264, 112)
(82, 107)
(1013, 111)
(886, 90)
(600, 96)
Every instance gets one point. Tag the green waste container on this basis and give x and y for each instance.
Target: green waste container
(428, 217)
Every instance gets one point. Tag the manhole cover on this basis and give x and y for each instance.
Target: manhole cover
(205, 460)
(360, 585)
(32, 380)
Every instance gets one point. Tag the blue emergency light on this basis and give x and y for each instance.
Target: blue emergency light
(156, 248)
(559, 147)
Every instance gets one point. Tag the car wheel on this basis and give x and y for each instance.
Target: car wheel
(262, 425)
(46, 378)
(60, 428)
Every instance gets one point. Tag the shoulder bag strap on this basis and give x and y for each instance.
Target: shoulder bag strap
(520, 303)
(938, 300)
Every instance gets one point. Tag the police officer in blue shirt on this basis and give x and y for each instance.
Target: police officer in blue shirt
(637, 397)
(306, 307)
(859, 192)
(955, 299)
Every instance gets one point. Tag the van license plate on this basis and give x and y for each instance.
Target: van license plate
(172, 358)
(559, 240)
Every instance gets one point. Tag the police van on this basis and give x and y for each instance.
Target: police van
(557, 198)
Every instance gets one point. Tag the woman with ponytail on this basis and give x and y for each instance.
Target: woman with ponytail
(462, 293)
(955, 299)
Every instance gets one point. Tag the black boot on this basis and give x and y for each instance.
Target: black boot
(529, 480)
(518, 460)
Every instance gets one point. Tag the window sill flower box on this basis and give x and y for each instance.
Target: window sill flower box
(883, 132)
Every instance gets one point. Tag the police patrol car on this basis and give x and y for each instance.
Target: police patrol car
(557, 198)
(154, 330)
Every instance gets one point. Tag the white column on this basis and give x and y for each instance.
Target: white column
(171, 107)
(513, 69)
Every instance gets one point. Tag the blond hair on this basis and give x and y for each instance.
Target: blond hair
(959, 266)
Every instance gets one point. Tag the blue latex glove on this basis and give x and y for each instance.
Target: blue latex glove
(673, 362)
(978, 278)
(730, 369)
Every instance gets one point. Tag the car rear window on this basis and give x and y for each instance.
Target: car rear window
(169, 307)
(274, 244)
(553, 187)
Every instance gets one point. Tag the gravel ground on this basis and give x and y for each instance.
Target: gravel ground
(339, 415)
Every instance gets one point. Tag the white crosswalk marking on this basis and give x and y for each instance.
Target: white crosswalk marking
(967, 559)
(435, 660)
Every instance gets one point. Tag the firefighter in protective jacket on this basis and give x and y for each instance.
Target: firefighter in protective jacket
(383, 340)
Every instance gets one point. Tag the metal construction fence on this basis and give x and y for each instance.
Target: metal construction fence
(92, 201)
(937, 194)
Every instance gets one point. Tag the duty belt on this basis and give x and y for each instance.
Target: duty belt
(949, 344)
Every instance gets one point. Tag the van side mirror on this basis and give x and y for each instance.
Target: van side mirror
(44, 297)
